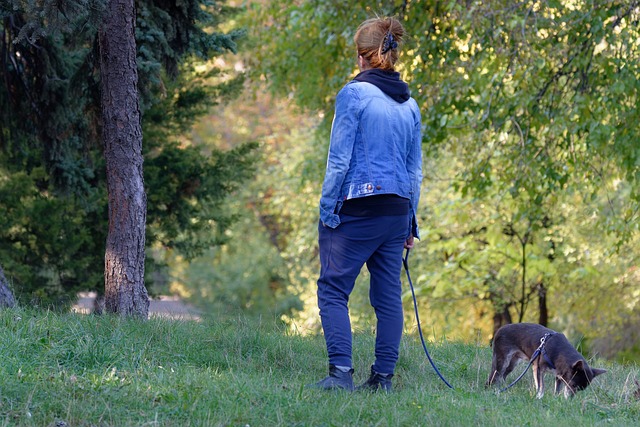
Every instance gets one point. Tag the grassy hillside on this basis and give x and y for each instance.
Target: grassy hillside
(78, 370)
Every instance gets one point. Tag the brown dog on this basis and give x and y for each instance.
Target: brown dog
(552, 352)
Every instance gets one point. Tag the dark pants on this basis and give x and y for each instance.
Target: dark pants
(379, 242)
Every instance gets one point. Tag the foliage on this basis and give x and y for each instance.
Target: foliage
(188, 203)
(51, 167)
(531, 184)
(244, 276)
(260, 270)
(45, 242)
(234, 371)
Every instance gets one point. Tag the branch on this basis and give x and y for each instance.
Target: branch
(562, 71)
(630, 9)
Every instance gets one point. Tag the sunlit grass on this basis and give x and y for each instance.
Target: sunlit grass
(79, 370)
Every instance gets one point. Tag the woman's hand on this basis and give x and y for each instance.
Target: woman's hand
(408, 244)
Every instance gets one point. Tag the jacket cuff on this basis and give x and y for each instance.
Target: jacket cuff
(329, 219)
(414, 227)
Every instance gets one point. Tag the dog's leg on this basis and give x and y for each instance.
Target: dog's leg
(497, 373)
(510, 364)
(559, 385)
(568, 390)
(538, 379)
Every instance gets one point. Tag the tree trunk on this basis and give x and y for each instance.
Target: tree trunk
(543, 318)
(125, 292)
(6, 296)
(501, 317)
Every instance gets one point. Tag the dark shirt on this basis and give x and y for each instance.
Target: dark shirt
(380, 205)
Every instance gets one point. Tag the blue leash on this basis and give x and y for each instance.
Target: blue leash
(415, 306)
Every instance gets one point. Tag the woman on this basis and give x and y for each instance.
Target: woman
(368, 204)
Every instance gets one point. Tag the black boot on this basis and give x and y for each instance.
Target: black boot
(376, 381)
(336, 380)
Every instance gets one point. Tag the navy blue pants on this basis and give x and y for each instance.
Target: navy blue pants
(377, 242)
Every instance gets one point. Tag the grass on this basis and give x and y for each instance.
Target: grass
(77, 370)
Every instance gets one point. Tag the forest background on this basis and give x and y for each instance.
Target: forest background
(529, 210)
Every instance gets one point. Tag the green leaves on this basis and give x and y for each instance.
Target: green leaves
(528, 113)
(53, 241)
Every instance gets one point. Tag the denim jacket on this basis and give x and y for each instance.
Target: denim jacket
(375, 148)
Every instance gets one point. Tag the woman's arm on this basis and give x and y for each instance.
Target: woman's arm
(343, 134)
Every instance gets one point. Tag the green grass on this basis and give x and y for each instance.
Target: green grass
(78, 370)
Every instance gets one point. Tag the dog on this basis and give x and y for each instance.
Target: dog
(521, 341)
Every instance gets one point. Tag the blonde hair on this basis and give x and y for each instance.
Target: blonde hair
(373, 42)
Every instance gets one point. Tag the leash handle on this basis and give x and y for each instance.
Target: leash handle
(405, 261)
(415, 306)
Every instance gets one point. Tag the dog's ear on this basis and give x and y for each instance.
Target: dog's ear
(578, 366)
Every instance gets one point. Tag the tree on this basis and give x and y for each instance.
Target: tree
(528, 96)
(52, 169)
(125, 292)
(6, 296)
(526, 108)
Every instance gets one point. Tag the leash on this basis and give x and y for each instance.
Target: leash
(415, 306)
(540, 350)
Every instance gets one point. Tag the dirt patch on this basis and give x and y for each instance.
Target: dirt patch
(163, 306)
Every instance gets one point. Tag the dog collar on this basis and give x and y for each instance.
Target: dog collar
(543, 340)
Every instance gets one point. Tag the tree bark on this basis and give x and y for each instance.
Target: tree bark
(125, 292)
(501, 317)
(6, 296)
(543, 310)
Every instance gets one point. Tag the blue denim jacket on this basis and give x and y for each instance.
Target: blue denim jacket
(375, 148)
